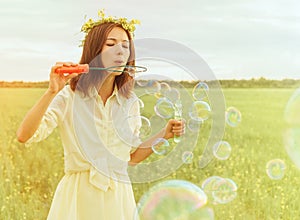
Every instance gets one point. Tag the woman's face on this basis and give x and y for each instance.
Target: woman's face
(116, 49)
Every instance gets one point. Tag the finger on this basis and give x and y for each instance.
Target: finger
(56, 66)
(67, 64)
(178, 126)
(178, 131)
(70, 76)
(179, 122)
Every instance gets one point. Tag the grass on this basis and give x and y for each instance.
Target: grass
(29, 175)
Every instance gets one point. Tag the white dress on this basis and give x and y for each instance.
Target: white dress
(96, 184)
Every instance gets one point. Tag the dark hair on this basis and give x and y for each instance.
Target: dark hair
(92, 47)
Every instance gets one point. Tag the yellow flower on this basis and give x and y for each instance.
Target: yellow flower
(90, 24)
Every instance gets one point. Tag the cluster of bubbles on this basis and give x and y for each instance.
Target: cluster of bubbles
(186, 200)
(167, 98)
(219, 190)
(178, 199)
(183, 198)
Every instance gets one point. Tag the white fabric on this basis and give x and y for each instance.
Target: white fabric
(96, 183)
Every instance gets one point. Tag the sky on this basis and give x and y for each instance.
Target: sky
(238, 39)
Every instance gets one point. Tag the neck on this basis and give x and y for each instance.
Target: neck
(107, 88)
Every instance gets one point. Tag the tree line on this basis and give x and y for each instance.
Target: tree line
(230, 83)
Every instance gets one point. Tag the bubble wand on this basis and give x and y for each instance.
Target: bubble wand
(177, 116)
(85, 68)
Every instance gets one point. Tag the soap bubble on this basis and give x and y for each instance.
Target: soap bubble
(292, 144)
(164, 88)
(171, 199)
(233, 116)
(164, 108)
(222, 150)
(152, 87)
(219, 190)
(194, 125)
(209, 186)
(225, 191)
(200, 91)
(126, 129)
(173, 94)
(200, 111)
(275, 169)
(187, 157)
(160, 146)
(291, 113)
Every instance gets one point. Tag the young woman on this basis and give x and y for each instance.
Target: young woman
(86, 113)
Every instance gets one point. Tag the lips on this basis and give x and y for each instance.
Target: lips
(119, 62)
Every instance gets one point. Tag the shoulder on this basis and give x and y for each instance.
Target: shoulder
(132, 95)
(132, 98)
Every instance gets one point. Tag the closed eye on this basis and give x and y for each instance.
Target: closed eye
(125, 46)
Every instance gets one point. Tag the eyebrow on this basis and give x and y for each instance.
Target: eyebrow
(114, 39)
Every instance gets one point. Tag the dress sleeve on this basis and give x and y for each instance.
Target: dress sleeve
(52, 118)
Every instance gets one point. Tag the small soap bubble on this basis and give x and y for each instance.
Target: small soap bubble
(164, 88)
(275, 169)
(200, 91)
(173, 94)
(225, 191)
(126, 130)
(164, 108)
(233, 116)
(194, 125)
(160, 146)
(209, 185)
(187, 157)
(141, 82)
(152, 87)
(222, 150)
(200, 111)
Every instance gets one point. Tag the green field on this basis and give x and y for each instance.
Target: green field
(29, 175)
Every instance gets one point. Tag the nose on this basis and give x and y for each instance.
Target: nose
(119, 49)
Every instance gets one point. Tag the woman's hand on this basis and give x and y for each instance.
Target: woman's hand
(174, 127)
(58, 81)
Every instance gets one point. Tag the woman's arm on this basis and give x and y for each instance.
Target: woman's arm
(144, 150)
(33, 118)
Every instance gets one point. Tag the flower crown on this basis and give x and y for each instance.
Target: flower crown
(90, 24)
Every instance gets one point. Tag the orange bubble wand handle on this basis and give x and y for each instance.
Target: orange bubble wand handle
(81, 68)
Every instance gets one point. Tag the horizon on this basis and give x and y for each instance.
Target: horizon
(188, 81)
